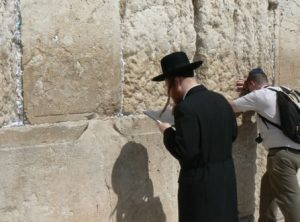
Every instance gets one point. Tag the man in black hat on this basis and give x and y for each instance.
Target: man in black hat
(205, 127)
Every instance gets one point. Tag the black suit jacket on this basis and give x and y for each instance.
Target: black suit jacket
(205, 127)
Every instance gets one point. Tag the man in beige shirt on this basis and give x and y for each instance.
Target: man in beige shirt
(279, 185)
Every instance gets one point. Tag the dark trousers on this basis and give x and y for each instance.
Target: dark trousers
(280, 187)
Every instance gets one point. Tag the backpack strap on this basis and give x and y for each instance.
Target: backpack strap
(272, 89)
(265, 120)
(285, 89)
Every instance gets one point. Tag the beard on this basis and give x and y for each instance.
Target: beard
(175, 102)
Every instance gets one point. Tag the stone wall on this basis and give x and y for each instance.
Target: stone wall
(93, 170)
(145, 41)
(71, 59)
(10, 64)
(289, 50)
(85, 151)
(233, 37)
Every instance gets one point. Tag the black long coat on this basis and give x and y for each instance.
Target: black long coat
(202, 143)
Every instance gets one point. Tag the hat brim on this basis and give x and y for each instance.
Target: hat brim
(164, 76)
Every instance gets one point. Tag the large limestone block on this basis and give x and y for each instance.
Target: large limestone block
(9, 62)
(163, 172)
(232, 38)
(71, 59)
(150, 30)
(289, 51)
(113, 170)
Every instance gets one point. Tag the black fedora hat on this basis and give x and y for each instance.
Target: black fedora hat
(176, 64)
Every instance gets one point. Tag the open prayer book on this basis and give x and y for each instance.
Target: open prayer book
(167, 116)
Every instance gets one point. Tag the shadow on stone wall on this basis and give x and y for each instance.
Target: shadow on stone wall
(132, 184)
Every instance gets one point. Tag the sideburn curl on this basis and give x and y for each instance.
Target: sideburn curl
(171, 83)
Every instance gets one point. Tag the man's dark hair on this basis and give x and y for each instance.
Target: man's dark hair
(257, 75)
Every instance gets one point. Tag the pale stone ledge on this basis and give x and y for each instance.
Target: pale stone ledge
(41, 134)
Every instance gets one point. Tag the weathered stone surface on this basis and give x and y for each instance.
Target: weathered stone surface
(8, 63)
(232, 38)
(96, 174)
(289, 49)
(71, 59)
(150, 30)
(162, 168)
(244, 152)
(261, 163)
(44, 134)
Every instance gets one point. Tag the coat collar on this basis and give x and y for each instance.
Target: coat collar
(194, 90)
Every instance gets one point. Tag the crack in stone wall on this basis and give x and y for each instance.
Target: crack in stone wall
(122, 62)
(19, 72)
(11, 107)
(275, 35)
